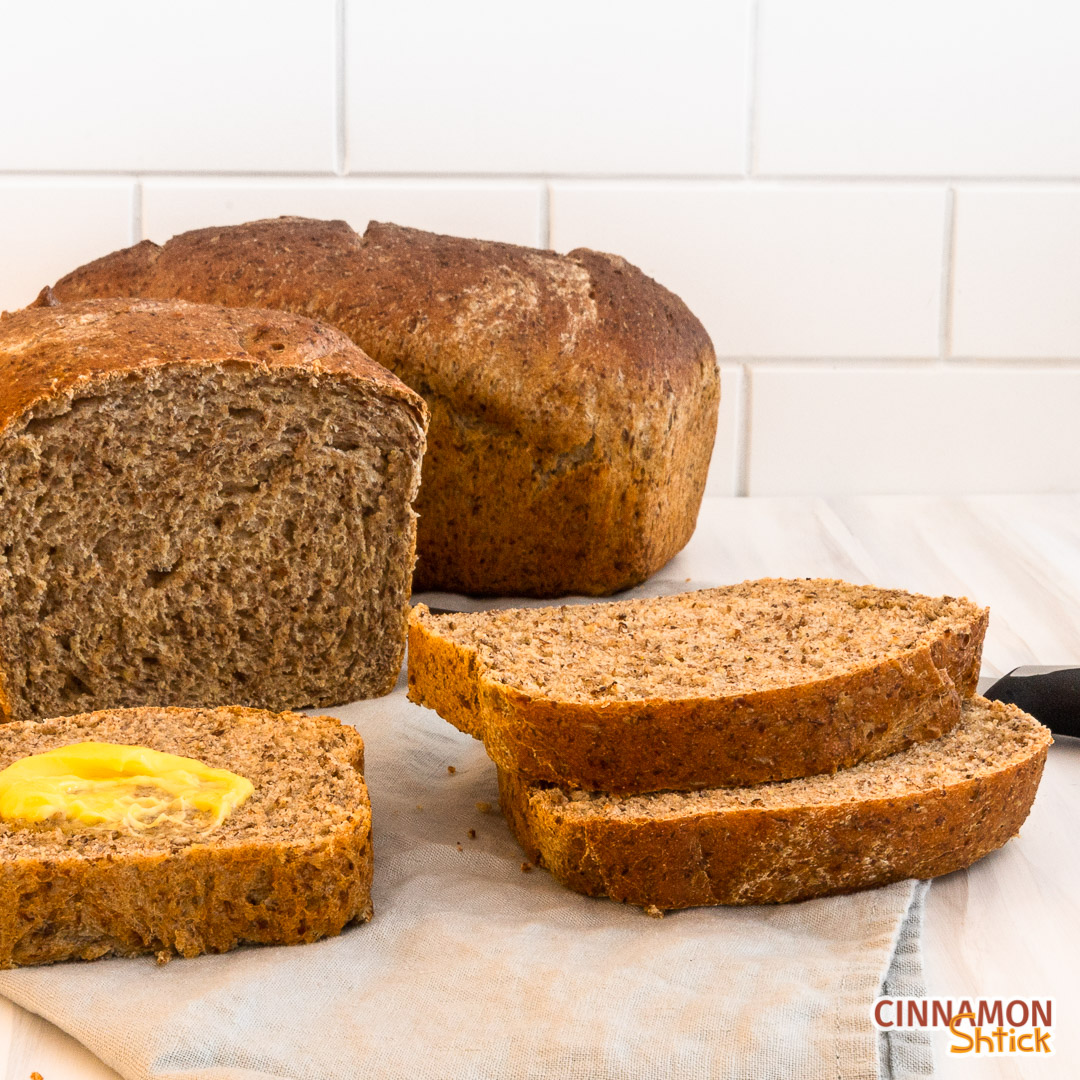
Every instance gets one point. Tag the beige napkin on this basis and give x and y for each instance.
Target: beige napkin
(473, 968)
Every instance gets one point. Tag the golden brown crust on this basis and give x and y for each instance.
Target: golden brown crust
(573, 399)
(197, 901)
(776, 854)
(53, 355)
(50, 351)
(624, 747)
(261, 887)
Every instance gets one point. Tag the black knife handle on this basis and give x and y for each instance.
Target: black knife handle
(1051, 695)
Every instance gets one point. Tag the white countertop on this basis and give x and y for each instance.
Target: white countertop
(1009, 926)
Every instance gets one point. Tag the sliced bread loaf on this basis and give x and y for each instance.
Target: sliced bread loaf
(928, 810)
(563, 388)
(291, 864)
(199, 505)
(765, 680)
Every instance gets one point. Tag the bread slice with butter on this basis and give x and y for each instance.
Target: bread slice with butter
(178, 832)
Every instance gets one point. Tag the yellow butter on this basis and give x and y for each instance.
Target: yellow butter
(98, 783)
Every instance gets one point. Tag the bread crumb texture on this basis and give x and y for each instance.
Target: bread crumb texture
(734, 640)
(199, 505)
(291, 864)
(765, 680)
(933, 808)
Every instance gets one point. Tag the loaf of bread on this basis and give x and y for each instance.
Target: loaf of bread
(291, 864)
(766, 680)
(199, 505)
(936, 807)
(573, 399)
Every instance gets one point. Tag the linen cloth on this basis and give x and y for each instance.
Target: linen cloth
(475, 969)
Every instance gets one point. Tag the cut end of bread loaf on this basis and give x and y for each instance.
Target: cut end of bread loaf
(291, 864)
(199, 505)
(766, 680)
(936, 807)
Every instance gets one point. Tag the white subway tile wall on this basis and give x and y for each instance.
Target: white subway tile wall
(725, 469)
(243, 86)
(909, 430)
(874, 209)
(921, 88)
(1017, 276)
(850, 271)
(564, 87)
(49, 226)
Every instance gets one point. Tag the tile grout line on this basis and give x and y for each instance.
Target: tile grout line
(733, 179)
(742, 433)
(880, 363)
(818, 360)
(948, 260)
(752, 90)
(1020, 363)
(341, 159)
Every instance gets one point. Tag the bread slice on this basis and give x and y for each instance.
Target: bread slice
(199, 505)
(291, 864)
(928, 810)
(766, 680)
(563, 388)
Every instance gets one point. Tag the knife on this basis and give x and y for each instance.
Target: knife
(1050, 694)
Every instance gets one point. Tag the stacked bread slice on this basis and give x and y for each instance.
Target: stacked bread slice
(764, 742)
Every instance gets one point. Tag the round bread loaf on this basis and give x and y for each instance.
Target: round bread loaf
(573, 399)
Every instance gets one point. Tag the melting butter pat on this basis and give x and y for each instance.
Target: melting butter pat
(98, 783)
